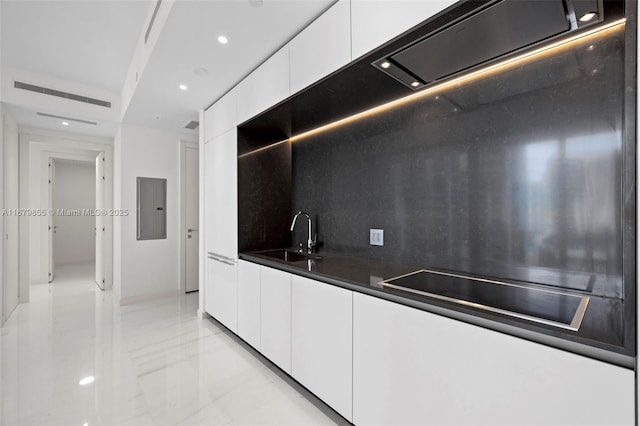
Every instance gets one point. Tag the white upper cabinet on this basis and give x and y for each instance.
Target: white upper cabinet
(221, 116)
(264, 87)
(322, 47)
(221, 195)
(374, 22)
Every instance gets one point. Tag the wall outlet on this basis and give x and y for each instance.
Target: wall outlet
(376, 237)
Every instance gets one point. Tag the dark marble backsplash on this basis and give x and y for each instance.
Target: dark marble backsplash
(515, 175)
(264, 198)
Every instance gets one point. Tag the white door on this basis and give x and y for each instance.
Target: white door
(191, 233)
(53, 225)
(11, 222)
(100, 220)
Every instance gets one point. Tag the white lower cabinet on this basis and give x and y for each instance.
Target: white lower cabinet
(321, 340)
(275, 316)
(249, 303)
(379, 362)
(412, 367)
(221, 292)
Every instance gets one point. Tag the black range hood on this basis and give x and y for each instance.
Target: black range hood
(500, 28)
(360, 86)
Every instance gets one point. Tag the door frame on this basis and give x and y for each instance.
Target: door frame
(46, 253)
(100, 221)
(51, 191)
(183, 209)
(33, 142)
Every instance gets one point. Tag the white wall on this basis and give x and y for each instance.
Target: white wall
(1, 207)
(74, 189)
(117, 220)
(146, 268)
(11, 197)
(1, 197)
(38, 199)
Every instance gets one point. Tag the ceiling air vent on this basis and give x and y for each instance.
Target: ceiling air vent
(60, 94)
(77, 120)
(191, 125)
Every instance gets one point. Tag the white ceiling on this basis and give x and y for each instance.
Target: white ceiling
(30, 118)
(92, 42)
(188, 42)
(89, 41)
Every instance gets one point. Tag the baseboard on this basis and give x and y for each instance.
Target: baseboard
(146, 297)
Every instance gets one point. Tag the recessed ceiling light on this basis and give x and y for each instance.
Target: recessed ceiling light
(223, 40)
(385, 65)
(183, 87)
(588, 16)
(590, 47)
(415, 84)
(437, 97)
(87, 380)
(65, 123)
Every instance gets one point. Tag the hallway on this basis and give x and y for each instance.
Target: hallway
(154, 363)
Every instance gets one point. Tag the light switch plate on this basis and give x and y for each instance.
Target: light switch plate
(376, 237)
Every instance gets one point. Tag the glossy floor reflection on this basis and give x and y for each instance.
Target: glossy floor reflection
(154, 363)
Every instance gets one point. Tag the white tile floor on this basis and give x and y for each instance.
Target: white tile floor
(154, 363)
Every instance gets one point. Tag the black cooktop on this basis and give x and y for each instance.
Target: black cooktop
(533, 303)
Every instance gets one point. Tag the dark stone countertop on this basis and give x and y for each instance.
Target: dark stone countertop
(600, 335)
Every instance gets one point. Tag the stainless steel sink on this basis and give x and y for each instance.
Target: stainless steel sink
(289, 255)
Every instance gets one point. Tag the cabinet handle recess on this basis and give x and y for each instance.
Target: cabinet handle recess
(220, 258)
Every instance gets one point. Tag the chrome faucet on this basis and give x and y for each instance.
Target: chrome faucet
(310, 242)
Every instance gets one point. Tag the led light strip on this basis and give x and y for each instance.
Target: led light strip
(255, 151)
(566, 43)
(534, 54)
